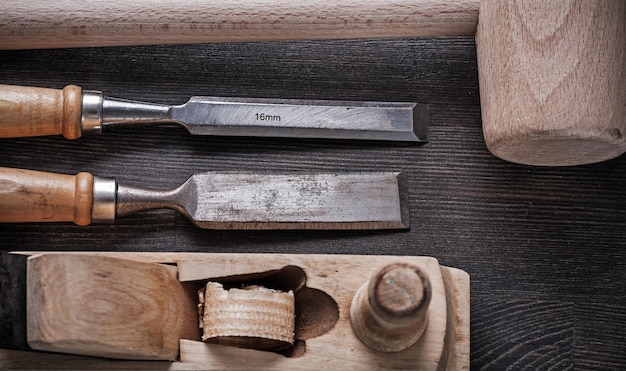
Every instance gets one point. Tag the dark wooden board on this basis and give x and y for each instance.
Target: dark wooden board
(545, 247)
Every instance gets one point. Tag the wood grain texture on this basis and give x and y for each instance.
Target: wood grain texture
(553, 80)
(117, 22)
(107, 307)
(36, 196)
(527, 334)
(552, 238)
(13, 285)
(31, 111)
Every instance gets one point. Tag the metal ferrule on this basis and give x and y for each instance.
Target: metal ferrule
(91, 119)
(125, 112)
(104, 200)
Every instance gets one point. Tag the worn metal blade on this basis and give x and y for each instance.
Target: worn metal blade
(374, 200)
(303, 118)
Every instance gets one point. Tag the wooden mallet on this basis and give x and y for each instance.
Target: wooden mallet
(552, 73)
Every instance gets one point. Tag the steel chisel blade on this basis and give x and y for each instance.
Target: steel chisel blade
(302, 118)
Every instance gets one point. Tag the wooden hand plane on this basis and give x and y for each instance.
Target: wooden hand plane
(236, 311)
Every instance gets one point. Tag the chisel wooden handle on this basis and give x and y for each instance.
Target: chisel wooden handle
(28, 111)
(35, 196)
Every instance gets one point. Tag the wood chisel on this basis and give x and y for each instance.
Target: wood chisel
(214, 200)
(29, 111)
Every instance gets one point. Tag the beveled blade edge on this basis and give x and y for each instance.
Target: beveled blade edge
(383, 225)
(309, 133)
(421, 122)
(403, 192)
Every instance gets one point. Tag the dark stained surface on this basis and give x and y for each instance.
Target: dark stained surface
(545, 247)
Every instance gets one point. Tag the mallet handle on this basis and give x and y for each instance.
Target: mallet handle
(67, 23)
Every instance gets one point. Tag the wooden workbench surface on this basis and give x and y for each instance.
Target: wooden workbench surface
(545, 247)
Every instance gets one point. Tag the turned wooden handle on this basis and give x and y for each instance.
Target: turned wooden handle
(389, 313)
(27, 111)
(35, 196)
(67, 23)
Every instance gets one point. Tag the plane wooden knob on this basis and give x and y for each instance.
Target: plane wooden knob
(389, 312)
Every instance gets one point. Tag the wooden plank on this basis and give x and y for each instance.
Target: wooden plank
(540, 235)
